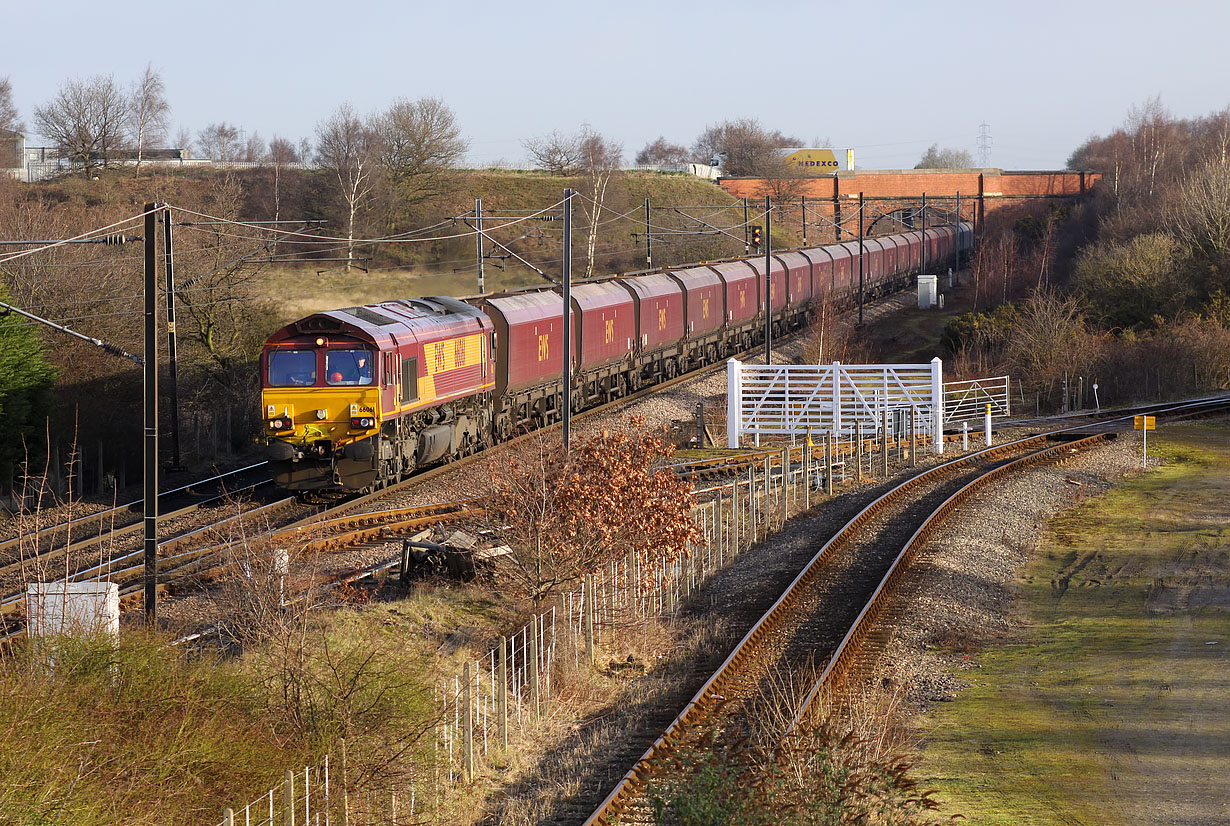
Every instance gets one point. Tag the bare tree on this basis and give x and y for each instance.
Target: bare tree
(600, 160)
(183, 138)
(148, 112)
(85, 120)
(1150, 126)
(745, 147)
(221, 313)
(348, 147)
(946, 158)
(1048, 337)
(255, 150)
(556, 153)
(1201, 216)
(419, 144)
(281, 153)
(1216, 135)
(220, 142)
(564, 514)
(661, 152)
(8, 109)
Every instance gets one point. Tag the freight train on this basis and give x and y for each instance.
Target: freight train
(357, 398)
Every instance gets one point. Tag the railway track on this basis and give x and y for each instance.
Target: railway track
(124, 520)
(828, 613)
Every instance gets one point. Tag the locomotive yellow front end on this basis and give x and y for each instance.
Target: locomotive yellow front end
(322, 411)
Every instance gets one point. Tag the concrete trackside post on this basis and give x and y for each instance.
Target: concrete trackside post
(884, 443)
(467, 722)
(858, 451)
(531, 657)
(734, 400)
(986, 426)
(502, 695)
(937, 405)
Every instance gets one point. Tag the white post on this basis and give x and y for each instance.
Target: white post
(987, 426)
(965, 437)
(1144, 451)
(734, 400)
(836, 429)
(937, 404)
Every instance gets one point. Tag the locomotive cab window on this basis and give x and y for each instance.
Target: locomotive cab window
(348, 367)
(409, 379)
(292, 368)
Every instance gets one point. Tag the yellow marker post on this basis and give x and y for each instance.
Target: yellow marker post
(1144, 424)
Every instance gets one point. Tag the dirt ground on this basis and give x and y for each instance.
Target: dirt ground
(1068, 663)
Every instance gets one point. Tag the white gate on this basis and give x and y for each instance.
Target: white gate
(788, 399)
(967, 400)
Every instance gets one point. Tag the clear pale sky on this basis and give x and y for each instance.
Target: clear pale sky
(887, 78)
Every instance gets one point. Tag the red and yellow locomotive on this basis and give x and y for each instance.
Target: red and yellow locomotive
(367, 394)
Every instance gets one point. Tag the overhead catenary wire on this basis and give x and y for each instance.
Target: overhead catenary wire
(87, 234)
(394, 239)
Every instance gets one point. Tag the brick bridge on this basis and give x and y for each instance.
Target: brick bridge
(831, 200)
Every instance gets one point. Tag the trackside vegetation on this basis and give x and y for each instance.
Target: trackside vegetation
(1128, 288)
(136, 732)
(1110, 706)
(26, 379)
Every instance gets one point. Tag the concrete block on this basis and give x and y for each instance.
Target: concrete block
(75, 608)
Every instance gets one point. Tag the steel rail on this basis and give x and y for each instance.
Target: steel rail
(135, 506)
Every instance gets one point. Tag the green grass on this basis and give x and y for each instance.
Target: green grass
(139, 733)
(1111, 708)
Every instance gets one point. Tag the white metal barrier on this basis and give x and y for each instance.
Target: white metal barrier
(967, 400)
(789, 399)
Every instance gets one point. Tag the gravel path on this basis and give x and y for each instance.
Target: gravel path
(961, 595)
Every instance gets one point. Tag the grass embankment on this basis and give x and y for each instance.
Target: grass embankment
(140, 733)
(1112, 707)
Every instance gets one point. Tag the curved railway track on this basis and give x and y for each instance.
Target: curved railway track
(828, 612)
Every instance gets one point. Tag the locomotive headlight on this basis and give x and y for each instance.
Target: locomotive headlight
(281, 423)
(320, 414)
(362, 423)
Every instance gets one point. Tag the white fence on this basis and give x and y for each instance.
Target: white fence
(967, 400)
(844, 399)
(794, 399)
